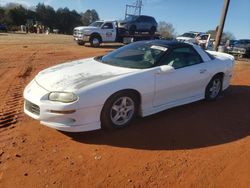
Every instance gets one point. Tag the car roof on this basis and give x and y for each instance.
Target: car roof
(167, 43)
(146, 16)
(244, 40)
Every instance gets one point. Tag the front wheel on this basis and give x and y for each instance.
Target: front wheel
(119, 110)
(81, 43)
(214, 88)
(95, 41)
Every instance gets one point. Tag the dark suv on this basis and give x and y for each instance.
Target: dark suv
(242, 48)
(139, 23)
(3, 27)
(229, 45)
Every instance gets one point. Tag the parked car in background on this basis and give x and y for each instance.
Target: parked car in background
(242, 48)
(229, 45)
(3, 27)
(139, 23)
(141, 78)
(200, 38)
(204, 40)
(190, 37)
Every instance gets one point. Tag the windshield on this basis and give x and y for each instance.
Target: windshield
(190, 35)
(243, 42)
(130, 18)
(231, 42)
(138, 55)
(96, 24)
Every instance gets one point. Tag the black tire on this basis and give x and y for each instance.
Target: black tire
(109, 110)
(95, 41)
(80, 43)
(132, 30)
(152, 30)
(214, 88)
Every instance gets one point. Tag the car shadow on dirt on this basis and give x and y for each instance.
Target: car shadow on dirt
(196, 125)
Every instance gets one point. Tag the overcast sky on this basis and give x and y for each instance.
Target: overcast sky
(185, 15)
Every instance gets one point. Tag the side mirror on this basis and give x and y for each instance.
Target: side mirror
(105, 27)
(164, 69)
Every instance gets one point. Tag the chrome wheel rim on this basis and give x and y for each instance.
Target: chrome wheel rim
(122, 111)
(95, 41)
(215, 88)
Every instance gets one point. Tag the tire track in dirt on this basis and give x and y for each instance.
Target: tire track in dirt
(12, 105)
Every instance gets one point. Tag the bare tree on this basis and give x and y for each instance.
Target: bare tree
(89, 17)
(166, 30)
(225, 36)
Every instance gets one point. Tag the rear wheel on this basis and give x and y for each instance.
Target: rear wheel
(214, 88)
(119, 110)
(152, 30)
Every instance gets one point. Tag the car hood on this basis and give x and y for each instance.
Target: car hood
(81, 28)
(74, 75)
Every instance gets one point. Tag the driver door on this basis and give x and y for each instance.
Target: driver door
(108, 32)
(186, 82)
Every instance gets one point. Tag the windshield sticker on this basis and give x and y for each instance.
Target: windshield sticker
(161, 48)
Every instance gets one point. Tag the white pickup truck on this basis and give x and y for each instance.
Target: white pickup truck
(199, 38)
(106, 32)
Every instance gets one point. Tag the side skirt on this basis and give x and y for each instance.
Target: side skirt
(160, 108)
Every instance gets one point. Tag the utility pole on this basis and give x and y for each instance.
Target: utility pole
(138, 5)
(222, 23)
(135, 9)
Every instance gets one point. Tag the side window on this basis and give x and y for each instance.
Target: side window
(147, 19)
(141, 19)
(152, 20)
(138, 19)
(182, 57)
(107, 26)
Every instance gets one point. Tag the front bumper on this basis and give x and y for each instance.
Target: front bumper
(241, 51)
(83, 38)
(53, 114)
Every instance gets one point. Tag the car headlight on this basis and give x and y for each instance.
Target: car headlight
(65, 97)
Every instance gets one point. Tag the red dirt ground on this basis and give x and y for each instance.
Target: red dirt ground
(204, 144)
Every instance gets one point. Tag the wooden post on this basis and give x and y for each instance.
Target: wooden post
(222, 23)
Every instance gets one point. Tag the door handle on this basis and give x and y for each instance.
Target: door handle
(203, 71)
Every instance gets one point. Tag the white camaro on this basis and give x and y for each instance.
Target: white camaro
(142, 78)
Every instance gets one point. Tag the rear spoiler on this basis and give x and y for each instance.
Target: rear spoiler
(220, 55)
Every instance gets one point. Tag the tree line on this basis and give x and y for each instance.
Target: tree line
(13, 15)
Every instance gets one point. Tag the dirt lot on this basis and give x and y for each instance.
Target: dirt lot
(198, 145)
